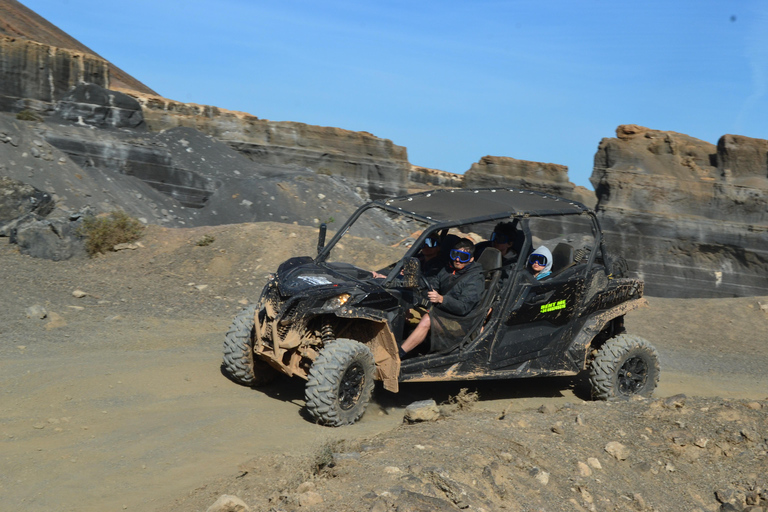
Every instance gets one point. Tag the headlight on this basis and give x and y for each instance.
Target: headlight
(337, 301)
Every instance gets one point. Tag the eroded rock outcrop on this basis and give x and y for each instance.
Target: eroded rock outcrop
(501, 171)
(20, 23)
(376, 166)
(690, 217)
(34, 76)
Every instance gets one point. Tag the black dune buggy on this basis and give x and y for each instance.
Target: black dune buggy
(336, 326)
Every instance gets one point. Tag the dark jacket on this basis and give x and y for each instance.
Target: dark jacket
(462, 297)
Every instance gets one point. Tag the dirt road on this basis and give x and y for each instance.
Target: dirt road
(122, 406)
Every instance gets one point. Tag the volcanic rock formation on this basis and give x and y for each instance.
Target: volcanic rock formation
(502, 171)
(690, 217)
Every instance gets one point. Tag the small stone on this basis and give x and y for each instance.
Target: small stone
(392, 470)
(547, 409)
(201, 287)
(750, 435)
(228, 503)
(618, 450)
(79, 294)
(594, 463)
(305, 487)
(675, 402)
(309, 499)
(584, 470)
(37, 311)
(755, 406)
(57, 321)
(423, 410)
(542, 477)
(125, 246)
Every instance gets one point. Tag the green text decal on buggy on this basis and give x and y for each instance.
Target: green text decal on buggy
(553, 306)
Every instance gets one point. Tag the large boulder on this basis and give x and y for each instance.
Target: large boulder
(93, 105)
(52, 239)
(690, 217)
(20, 200)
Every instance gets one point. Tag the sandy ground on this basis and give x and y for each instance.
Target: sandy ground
(115, 401)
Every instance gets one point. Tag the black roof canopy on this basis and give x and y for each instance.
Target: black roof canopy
(453, 205)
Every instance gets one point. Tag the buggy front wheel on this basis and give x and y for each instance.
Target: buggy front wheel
(340, 383)
(624, 366)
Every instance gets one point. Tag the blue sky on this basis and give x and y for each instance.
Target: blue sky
(452, 81)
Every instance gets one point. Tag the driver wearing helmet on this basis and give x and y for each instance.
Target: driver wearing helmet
(456, 289)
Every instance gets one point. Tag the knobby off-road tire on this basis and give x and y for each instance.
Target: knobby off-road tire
(239, 363)
(624, 366)
(340, 383)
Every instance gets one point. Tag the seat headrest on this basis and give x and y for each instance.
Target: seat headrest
(562, 257)
(490, 259)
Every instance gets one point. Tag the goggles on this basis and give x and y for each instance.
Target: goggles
(431, 242)
(499, 238)
(461, 256)
(538, 258)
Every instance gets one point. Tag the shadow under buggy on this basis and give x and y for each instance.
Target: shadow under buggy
(336, 326)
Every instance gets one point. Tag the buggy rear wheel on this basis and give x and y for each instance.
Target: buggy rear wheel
(340, 383)
(239, 363)
(624, 366)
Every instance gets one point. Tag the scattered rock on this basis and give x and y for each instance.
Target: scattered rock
(228, 503)
(618, 450)
(79, 294)
(594, 463)
(56, 321)
(305, 487)
(584, 470)
(309, 499)
(424, 410)
(125, 246)
(37, 311)
(675, 402)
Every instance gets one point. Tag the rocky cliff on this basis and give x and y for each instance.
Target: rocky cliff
(376, 166)
(690, 217)
(34, 76)
(501, 171)
(18, 22)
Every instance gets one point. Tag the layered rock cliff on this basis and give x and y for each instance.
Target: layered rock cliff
(34, 76)
(501, 171)
(376, 166)
(19, 22)
(690, 217)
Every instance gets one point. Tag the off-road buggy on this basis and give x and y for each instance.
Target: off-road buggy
(339, 328)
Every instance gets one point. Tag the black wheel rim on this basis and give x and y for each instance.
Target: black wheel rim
(632, 376)
(351, 386)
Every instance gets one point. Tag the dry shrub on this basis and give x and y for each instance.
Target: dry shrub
(464, 400)
(28, 115)
(205, 240)
(103, 233)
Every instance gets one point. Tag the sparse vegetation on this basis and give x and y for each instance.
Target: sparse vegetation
(465, 400)
(104, 232)
(28, 115)
(205, 240)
